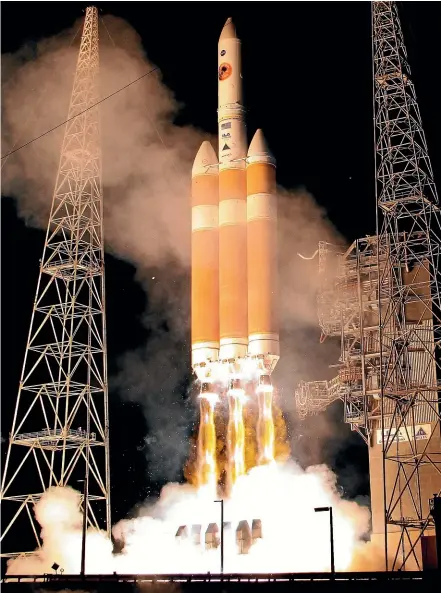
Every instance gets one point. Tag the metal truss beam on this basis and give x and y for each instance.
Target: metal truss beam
(409, 303)
(60, 429)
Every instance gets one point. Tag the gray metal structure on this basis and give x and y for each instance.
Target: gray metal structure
(409, 246)
(381, 297)
(60, 429)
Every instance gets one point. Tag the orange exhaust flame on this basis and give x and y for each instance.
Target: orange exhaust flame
(266, 432)
(207, 467)
(236, 435)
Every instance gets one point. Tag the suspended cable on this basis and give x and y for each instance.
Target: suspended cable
(151, 120)
(107, 31)
(81, 113)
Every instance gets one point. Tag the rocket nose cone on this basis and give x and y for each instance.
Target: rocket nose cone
(229, 30)
(205, 161)
(259, 152)
(259, 145)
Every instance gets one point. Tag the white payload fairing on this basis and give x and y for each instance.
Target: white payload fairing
(234, 240)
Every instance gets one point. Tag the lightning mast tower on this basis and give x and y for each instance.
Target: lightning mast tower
(60, 429)
(381, 298)
(409, 300)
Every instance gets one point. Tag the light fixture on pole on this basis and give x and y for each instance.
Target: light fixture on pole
(331, 533)
(222, 535)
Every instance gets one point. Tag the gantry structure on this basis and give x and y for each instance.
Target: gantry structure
(381, 298)
(60, 429)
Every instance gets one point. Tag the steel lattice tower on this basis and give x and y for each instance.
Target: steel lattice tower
(408, 229)
(60, 430)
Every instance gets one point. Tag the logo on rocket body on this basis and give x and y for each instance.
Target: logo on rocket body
(225, 71)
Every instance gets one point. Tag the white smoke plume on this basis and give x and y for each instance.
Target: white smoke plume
(146, 157)
(146, 174)
(301, 225)
(295, 538)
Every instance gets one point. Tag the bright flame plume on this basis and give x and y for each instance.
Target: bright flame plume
(266, 430)
(236, 435)
(207, 466)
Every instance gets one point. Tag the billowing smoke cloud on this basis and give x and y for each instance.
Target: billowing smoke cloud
(146, 158)
(146, 173)
(302, 224)
(294, 537)
(157, 375)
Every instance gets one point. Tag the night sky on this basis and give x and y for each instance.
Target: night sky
(308, 84)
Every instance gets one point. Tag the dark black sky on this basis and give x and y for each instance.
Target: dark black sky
(308, 84)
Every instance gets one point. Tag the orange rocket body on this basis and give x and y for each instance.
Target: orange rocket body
(205, 262)
(263, 327)
(234, 238)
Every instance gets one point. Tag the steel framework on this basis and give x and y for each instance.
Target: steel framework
(359, 336)
(348, 310)
(60, 429)
(409, 241)
(381, 297)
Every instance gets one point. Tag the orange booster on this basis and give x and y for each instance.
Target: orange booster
(263, 328)
(205, 261)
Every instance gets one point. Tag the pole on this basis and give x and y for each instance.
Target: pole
(83, 537)
(331, 531)
(86, 483)
(222, 537)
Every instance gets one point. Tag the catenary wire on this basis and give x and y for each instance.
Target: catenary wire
(107, 30)
(150, 119)
(81, 113)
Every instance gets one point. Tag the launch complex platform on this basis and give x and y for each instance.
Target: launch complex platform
(114, 583)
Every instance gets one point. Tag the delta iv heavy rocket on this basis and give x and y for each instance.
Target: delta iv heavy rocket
(234, 244)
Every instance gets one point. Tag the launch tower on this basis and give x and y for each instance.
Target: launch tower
(409, 244)
(60, 429)
(382, 298)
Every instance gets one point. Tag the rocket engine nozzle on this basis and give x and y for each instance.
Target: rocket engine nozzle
(206, 387)
(207, 392)
(264, 384)
(236, 390)
(235, 385)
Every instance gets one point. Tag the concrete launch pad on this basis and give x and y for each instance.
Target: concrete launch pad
(364, 581)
